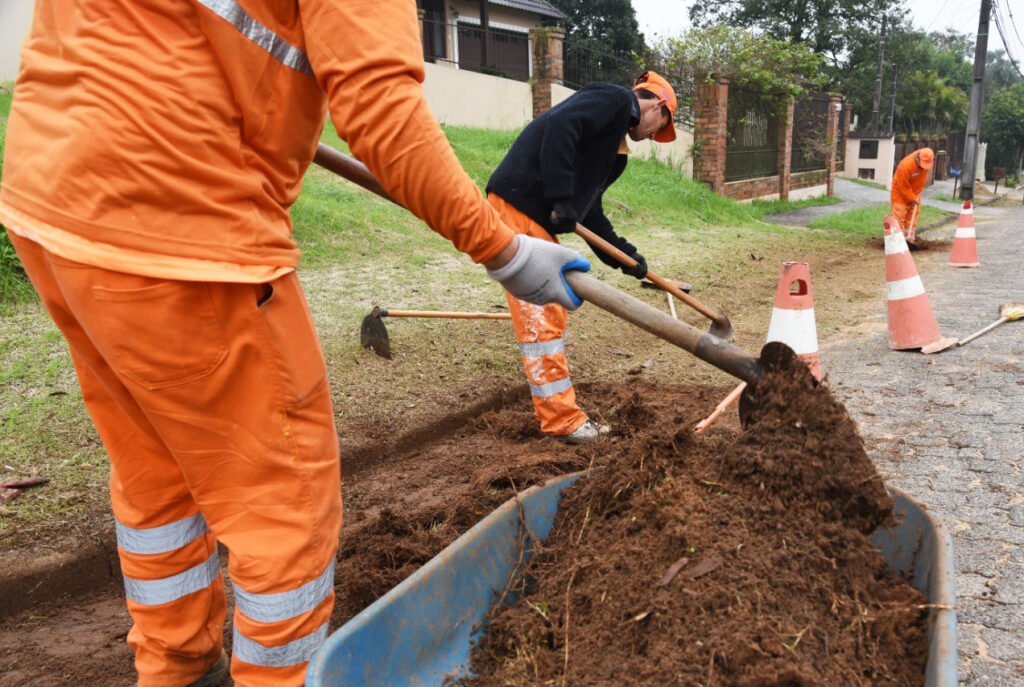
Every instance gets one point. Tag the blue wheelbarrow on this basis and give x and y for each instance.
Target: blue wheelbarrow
(421, 632)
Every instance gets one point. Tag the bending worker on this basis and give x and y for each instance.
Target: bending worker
(152, 155)
(907, 184)
(553, 176)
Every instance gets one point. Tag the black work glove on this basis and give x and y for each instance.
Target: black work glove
(639, 270)
(563, 216)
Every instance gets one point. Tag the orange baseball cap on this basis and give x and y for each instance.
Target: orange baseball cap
(927, 158)
(656, 84)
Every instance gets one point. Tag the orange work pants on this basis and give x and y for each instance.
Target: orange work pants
(906, 214)
(213, 405)
(540, 331)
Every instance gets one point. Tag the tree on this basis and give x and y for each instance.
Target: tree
(602, 41)
(756, 62)
(1002, 125)
(929, 105)
(828, 26)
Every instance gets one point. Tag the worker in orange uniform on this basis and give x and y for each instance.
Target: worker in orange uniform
(152, 153)
(553, 176)
(907, 184)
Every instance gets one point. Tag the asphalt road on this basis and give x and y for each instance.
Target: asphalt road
(949, 429)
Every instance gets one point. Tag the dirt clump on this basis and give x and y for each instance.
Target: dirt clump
(741, 557)
(878, 243)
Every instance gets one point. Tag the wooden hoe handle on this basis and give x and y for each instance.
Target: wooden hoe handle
(595, 240)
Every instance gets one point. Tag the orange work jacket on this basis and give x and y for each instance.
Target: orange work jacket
(182, 128)
(908, 182)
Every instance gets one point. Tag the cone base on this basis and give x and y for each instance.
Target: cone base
(963, 264)
(940, 345)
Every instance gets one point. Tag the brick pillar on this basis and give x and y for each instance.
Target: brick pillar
(785, 147)
(835, 103)
(709, 131)
(941, 161)
(548, 44)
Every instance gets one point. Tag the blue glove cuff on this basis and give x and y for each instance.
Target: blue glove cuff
(581, 264)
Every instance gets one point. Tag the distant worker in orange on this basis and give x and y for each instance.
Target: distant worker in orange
(152, 154)
(554, 175)
(907, 184)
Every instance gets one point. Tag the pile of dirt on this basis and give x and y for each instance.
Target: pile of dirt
(878, 243)
(400, 514)
(742, 558)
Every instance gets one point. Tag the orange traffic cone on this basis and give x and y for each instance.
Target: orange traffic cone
(792, 323)
(792, 320)
(965, 248)
(911, 323)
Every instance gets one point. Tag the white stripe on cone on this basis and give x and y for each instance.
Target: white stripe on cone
(964, 233)
(904, 288)
(795, 328)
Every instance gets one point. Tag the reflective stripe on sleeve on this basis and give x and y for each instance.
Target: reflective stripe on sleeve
(904, 288)
(156, 592)
(281, 50)
(163, 538)
(272, 608)
(293, 653)
(533, 350)
(551, 388)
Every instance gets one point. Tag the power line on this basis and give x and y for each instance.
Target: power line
(1013, 24)
(1006, 44)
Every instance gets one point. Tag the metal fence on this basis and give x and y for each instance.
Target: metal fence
(810, 120)
(584, 64)
(752, 136)
(463, 44)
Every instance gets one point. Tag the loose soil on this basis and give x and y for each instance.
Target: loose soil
(738, 559)
(771, 520)
(878, 243)
(402, 507)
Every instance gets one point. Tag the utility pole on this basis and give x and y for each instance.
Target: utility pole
(892, 99)
(878, 78)
(974, 109)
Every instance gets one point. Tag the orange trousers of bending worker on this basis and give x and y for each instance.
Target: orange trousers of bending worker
(907, 184)
(540, 331)
(172, 405)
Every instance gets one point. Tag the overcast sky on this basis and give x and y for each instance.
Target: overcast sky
(669, 17)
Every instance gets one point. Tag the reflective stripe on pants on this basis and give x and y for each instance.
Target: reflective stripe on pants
(212, 402)
(540, 331)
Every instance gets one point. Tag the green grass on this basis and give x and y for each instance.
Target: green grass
(947, 199)
(865, 182)
(14, 286)
(777, 207)
(867, 222)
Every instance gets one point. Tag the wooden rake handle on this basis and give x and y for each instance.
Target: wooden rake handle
(598, 242)
(454, 315)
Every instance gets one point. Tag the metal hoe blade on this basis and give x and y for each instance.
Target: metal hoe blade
(722, 328)
(374, 335)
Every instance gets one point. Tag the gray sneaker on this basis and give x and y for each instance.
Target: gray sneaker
(587, 432)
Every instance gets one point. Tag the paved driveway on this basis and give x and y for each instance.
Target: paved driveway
(856, 195)
(947, 428)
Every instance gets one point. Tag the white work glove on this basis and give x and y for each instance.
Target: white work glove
(535, 273)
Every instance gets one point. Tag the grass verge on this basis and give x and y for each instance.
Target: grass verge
(867, 222)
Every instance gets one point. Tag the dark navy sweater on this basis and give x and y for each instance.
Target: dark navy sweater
(571, 151)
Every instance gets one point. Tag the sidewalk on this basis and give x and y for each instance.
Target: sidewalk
(856, 195)
(948, 428)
